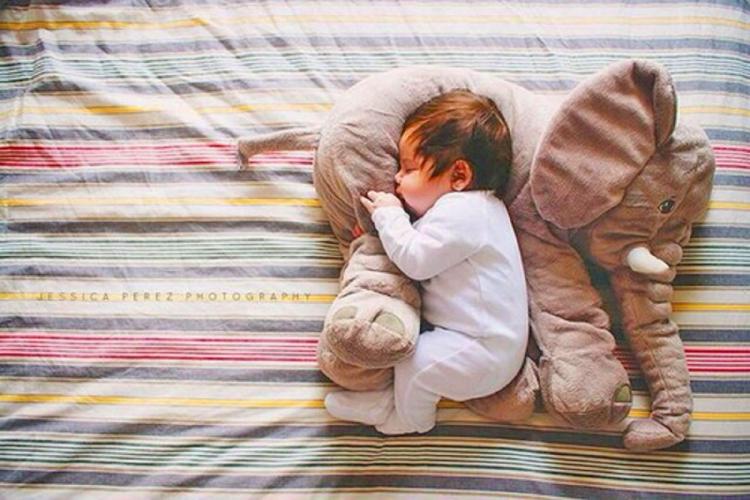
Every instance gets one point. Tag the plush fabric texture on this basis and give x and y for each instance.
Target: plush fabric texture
(594, 176)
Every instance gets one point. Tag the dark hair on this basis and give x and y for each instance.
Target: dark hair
(462, 125)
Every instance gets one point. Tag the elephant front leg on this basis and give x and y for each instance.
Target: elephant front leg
(374, 321)
(658, 348)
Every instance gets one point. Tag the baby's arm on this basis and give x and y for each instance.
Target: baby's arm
(448, 237)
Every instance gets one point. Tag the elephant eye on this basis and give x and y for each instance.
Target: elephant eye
(666, 206)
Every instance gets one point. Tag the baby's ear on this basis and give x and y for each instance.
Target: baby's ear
(461, 175)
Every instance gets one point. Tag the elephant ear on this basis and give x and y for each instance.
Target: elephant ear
(598, 141)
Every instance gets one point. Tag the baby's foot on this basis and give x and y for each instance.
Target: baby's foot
(367, 407)
(393, 425)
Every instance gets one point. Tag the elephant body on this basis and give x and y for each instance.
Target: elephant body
(604, 174)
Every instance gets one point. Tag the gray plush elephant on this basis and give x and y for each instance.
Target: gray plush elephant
(605, 175)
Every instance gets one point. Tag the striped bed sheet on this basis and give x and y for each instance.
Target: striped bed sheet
(160, 309)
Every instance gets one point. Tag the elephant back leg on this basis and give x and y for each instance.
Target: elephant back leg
(374, 321)
(581, 380)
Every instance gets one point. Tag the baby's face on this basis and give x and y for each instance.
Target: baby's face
(413, 183)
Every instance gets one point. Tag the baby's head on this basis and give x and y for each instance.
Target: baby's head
(457, 141)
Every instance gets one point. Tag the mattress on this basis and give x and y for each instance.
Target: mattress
(160, 308)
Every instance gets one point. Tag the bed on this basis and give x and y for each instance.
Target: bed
(160, 307)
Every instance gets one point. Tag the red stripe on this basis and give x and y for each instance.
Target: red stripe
(730, 148)
(42, 344)
(38, 345)
(94, 338)
(732, 166)
(51, 156)
(700, 359)
(307, 359)
(64, 346)
(141, 154)
(110, 147)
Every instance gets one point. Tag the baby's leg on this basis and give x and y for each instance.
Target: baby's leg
(445, 363)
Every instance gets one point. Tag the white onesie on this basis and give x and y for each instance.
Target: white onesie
(465, 254)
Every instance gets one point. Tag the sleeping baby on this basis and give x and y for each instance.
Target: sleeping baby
(455, 155)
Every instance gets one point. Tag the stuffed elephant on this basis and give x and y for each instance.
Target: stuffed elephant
(604, 175)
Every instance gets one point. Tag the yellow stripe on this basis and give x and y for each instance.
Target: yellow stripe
(21, 202)
(379, 19)
(120, 110)
(105, 110)
(126, 296)
(737, 205)
(267, 403)
(127, 400)
(695, 306)
(46, 24)
(723, 110)
(699, 415)
(243, 108)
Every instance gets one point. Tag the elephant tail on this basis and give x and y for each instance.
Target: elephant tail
(281, 140)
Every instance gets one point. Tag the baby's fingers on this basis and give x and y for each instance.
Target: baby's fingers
(367, 203)
(373, 195)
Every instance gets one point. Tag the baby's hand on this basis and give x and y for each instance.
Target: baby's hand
(378, 199)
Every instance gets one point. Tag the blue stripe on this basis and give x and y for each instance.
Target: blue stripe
(728, 134)
(732, 180)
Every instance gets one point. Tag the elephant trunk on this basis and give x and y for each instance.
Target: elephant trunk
(645, 302)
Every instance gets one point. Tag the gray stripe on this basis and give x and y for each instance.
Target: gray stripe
(128, 372)
(222, 133)
(714, 335)
(299, 174)
(181, 3)
(147, 226)
(155, 324)
(395, 42)
(166, 88)
(269, 376)
(141, 134)
(336, 81)
(712, 279)
(713, 231)
(513, 433)
(273, 482)
(170, 272)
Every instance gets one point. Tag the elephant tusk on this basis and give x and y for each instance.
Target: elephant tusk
(641, 260)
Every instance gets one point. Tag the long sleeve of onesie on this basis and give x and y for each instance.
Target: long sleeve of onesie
(474, 293)
(451, 231)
